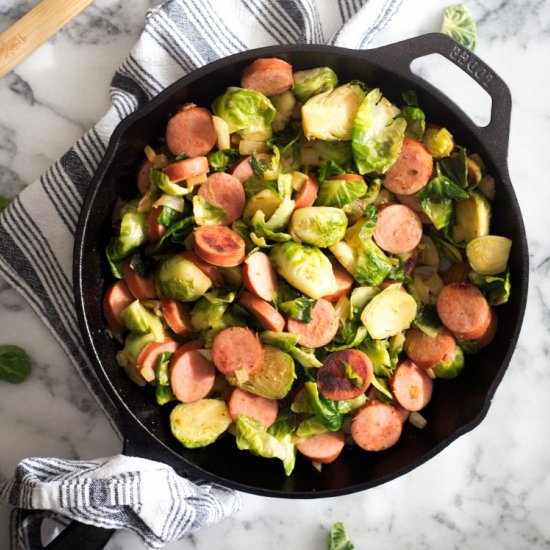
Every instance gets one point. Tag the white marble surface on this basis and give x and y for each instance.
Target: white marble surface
(490, 489)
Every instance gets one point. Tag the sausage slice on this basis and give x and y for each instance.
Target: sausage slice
(320, 330)
(411, 386)
(225, 191)
(412, 169)
(213, 273)
(324, 447)
(148, 357)
(412, 202)
(243, 170)
(186, 169)
(191, 131)
(259, 276)
(143, 288)
(267, 315)
(376, 426)
(426, 351)
(262, 409)
(142, 177)
(307, 195)
(192, 376)
(117, 298)
(464, 310)
(398, 229)
(176, 315)
(237, 348)
(155, 230)
(219, 245)
(344, 282)
(270, 76)
(332, 379)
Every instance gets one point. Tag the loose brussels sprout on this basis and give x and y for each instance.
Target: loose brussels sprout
(209, 309)
(318, 225)
(473, 217)
(162, 181)
(436, 200)
(207, 213)
(495, 289)
(267, 201)
(377, 134)
(438, 141)
(378, 353)
(181, 279)
(428, 321)
(455, 167)
(132, 234)
(163, 390)
(389, 313)
(306, 358)
(416, 122)
(489, 255)
(311, 426)
(360, 256)
(251, 435)
(200, 423)
(335, 151)
(304, 267)
(221, 161)
(360, 297)
(313, 81)
(329, 115)
(451, 366)
(337, 193)
(247, 112)
(325, 409)
(299, 308)
(284, 106)
(459, 24)
(275, 377)
(285, 341)
(140, 320)
(15, 364)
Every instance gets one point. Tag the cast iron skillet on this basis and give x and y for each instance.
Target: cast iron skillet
(457, 406)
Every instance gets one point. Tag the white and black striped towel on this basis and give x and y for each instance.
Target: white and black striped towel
(37, 232)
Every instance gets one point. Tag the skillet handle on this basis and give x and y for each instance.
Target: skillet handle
(496, 133)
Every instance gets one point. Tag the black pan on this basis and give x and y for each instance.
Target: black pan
(457, 406)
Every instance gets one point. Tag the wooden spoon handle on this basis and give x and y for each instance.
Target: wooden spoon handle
(34, 28)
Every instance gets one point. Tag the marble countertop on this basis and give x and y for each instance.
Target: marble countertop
(490, 489)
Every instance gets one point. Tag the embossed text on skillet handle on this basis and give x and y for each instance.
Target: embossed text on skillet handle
(472, 64)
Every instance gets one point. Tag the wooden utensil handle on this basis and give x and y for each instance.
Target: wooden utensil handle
(34, 28)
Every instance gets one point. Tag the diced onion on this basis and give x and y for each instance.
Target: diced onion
(298, 180)
(417, 420)
(171, 201)
(207, 354)
(222, 132)
(241, 375)
(248, 147)
(201, 178)
(317, 465)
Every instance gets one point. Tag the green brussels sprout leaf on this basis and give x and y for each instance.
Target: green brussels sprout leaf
(459, 24)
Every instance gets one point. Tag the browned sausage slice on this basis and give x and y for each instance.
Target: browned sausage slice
(213, 273)
(464, 310)
(186, 169)
(332, 379)
(320, 330)
(259, 276)
(323, 448)
(426, 351)
(267, 315)
(176, 315)
(117, 298)
(307, 195)
(143, 288)
(246, 403)
(192, 376)
(398, 229)
(191, 131)
(155, 230)
(489, 334)
(142, 177)
(237, 348)
(376, 426)
(412, 169)
(411, 386)
(225, 191)
(412, 202)
(219, 245)
(344, 282)
(148, 357)
(243, 169)
(270, 76)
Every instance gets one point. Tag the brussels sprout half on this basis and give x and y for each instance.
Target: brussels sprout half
(329, 115)
(181, 279)
(313, 81)
(304, 267)
(318, 225)
(247, 112)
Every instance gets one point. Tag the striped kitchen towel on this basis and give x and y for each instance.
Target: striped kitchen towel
(37, 233)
